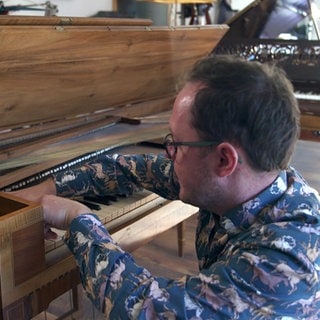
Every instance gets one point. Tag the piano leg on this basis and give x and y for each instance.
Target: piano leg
(180, 232)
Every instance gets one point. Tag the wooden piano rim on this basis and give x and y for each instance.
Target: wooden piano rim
(71, 21)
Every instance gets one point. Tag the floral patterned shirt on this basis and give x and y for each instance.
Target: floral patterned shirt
(259, 261)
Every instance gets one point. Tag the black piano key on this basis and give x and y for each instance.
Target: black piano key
(90, 205)
(102, 200)
(112, 198)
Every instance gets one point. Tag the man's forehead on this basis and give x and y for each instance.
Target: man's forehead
(185, 98)
(181, 113)
(182, 106)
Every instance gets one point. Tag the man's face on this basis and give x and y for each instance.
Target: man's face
(193, 165)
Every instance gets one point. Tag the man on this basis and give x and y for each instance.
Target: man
(233, 129)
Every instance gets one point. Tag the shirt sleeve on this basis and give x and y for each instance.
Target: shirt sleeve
(243, 284)
(121, 289)
(120, 174)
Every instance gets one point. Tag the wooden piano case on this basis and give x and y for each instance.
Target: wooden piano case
(70, 87)
(22, 249)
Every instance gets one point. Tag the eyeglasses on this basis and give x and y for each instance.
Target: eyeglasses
(171, 146)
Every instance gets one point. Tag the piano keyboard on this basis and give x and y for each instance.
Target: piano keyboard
(307, 96)
(115, 216)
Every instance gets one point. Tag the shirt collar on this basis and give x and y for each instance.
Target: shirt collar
(242, 216)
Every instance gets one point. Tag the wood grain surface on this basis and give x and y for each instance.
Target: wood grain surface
(56, 71)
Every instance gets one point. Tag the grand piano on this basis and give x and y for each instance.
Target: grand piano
(72, 89)
(254, 34)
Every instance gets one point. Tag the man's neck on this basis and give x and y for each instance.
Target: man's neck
(244, 188)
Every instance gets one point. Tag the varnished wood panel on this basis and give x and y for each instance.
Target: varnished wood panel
(28, 252)
(54, 71)
(22, 253)
(16, 20)
(310, 127)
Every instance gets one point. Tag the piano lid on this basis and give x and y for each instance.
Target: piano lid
(249, 22)
(54, 68)
(254, 34)
(271, 19)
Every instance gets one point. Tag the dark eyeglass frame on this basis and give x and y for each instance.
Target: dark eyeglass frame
(169, 142)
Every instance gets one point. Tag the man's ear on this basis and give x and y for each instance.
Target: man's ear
(228, 159)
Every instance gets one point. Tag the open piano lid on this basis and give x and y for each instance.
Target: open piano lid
(251, 33)
(70, 78)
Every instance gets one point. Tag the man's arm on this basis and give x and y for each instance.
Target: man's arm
(120, 174)
(250, 278)
(110, 175)
(235, 286)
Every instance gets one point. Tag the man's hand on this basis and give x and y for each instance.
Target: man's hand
(59, 212)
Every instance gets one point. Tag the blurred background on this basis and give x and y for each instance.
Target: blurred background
(289, 19)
